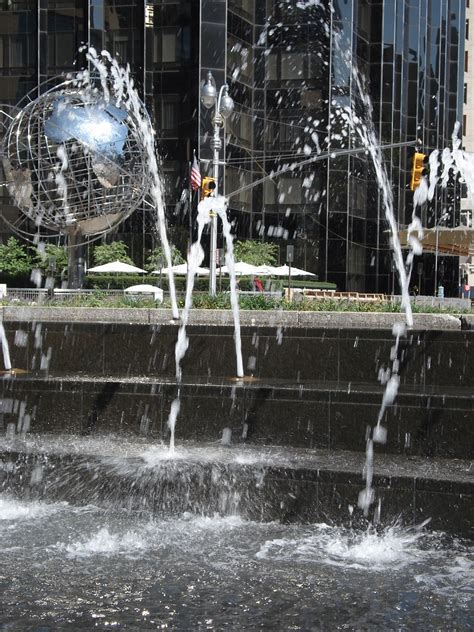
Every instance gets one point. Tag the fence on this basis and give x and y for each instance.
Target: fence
(42, 295)
(463, 304)
(296, 294)
(33, 296)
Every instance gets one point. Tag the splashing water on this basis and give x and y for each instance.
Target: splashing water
(117, 83)
(454, 163)
(14, 509)
(221, 209)
(105, 542)
(256, 571)
(195, 257)
(393, 547)
(364, 129)
(5, 349)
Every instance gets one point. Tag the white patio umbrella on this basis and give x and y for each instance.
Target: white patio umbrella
(285, 271)
(243, 269)
(182, 268)
(117, 267)
(266, 270)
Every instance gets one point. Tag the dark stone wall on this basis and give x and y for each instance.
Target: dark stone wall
(324, 489)
(428, 358)
(315, 388)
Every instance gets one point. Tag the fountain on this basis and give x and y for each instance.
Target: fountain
(244, 513)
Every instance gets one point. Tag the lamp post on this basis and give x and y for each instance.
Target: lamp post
(223, 108)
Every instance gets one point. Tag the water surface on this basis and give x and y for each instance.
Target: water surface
(82, 568)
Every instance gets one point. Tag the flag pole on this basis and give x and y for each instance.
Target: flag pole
(190, 210)
(195, 182)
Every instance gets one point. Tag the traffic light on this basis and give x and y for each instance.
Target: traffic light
(207, 187)
(417, 169)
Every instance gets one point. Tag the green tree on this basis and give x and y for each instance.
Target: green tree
(157, 258)
(106, 253)
(58, 253)
(257, 253)
(15, 259)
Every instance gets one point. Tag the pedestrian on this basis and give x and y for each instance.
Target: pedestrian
(258, 285)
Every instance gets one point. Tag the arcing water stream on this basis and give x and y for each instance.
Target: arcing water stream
(118, 84)
(123, 90)
(5, 349)
(361, 127)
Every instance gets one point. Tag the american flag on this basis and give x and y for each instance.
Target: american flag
(195, 175)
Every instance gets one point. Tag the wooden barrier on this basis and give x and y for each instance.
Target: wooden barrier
(292, 294)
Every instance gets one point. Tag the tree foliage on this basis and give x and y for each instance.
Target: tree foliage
(15, 259)
(256, 253)
(51, 252)
(157, 258)
(106, 253)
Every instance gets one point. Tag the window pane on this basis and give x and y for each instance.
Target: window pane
(272, 64)
(169, 116)
(65, 49)
(168, 50)
(120, 47)
(17, 52)
(292, 65)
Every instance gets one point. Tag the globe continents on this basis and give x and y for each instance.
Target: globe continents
(73, 160)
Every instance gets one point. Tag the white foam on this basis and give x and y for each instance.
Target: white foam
(106, 543)
(392, 548)
(214, 522)
(13, 509)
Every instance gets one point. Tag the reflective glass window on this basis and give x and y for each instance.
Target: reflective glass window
(97, 14)
(292, 65)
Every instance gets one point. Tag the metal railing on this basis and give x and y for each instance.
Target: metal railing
(43, 295)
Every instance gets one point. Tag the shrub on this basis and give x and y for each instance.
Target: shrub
(106, 253)
(15, 260)
(157, 258)
(257, 253)
(58, 253)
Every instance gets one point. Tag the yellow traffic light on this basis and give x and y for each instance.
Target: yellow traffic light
(417, 168)
(207, 187)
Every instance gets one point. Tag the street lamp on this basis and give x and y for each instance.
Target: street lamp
(223, 108)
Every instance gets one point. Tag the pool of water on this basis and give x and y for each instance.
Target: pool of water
(65, 567)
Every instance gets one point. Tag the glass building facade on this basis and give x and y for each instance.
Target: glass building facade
(289, 68)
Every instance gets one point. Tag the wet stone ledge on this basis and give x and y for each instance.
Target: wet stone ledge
(321, 415)
(427, 358)
(271, 318)
(294, 490)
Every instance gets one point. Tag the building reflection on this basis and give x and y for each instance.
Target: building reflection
(410, 53)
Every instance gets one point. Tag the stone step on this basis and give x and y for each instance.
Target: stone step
(324, 415)
(427, 359)
(258, 483)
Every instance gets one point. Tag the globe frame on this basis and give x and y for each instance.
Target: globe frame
(31, 167)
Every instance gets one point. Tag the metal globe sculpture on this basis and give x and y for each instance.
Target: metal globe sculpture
(74, 160)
